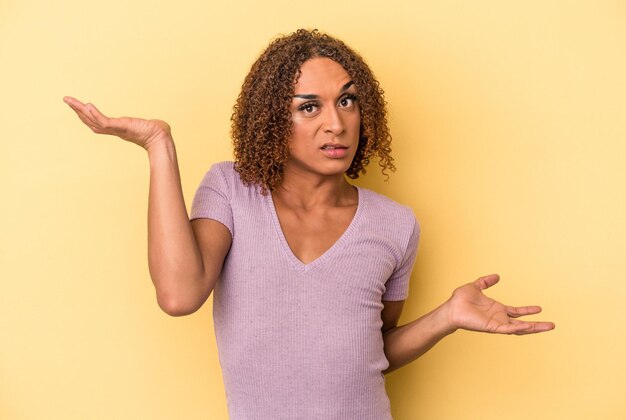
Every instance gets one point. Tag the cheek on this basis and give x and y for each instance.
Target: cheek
(297, 139)
(355, 122)
(302, 130)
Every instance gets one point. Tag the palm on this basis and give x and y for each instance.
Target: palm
(470, 309)
(136, 130)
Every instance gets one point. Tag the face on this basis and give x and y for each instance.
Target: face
(325, 119)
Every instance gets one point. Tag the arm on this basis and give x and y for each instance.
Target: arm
(468, 308)
(184, 258)
(408, 342)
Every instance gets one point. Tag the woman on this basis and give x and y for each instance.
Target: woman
(309, 272)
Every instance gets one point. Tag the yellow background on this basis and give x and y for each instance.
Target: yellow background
(509, 124)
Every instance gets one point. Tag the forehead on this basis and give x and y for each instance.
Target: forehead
(321, 73)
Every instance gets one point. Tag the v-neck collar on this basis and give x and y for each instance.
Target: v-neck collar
(328, 253)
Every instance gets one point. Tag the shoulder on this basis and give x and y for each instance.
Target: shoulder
(222, 173)
(386, 208)
(223, 176)
(226, 168)
(389, 223)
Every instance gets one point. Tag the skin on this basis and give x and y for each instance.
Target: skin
(184, 258)
(315, 204)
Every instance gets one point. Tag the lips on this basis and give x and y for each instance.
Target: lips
(333, 146)
(334, 150)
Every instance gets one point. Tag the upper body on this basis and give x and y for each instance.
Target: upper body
(304, 339)
(298, 304)
(310, 114)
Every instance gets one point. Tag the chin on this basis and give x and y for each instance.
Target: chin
(337, 168)
(326, 169)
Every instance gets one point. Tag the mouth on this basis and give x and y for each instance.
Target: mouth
(335, 151)
(333, 146)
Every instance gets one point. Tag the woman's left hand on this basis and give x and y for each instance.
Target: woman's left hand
(470, 309)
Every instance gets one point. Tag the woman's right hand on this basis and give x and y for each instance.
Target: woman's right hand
(144, 133)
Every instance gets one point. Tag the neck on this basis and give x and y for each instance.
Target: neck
(308, 190)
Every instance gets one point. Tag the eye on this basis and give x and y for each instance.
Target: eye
(347, 101)
(308, 107)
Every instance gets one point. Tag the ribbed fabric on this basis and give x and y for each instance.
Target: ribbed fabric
(303, 341)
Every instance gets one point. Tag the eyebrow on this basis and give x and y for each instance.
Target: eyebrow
(311, 96)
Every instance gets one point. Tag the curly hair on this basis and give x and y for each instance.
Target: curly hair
(261, 120)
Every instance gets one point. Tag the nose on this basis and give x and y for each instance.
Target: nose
(332, 121)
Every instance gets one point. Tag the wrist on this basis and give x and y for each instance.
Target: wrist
(162, 145)
(443, 315)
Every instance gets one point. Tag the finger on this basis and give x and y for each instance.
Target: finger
(80, 108)
(536, 327)
(487, 281)
(98, 117)
(88, 111)
(96, 114)
(522, 328)
(75, 104)
(517, 311)
(86, 120)
(108, 125)
(514, 327)
(70, 100)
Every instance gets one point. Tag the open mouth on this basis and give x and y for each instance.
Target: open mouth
(332, 147)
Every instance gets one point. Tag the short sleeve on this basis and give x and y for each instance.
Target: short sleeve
(212, 199)
(397, 286)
